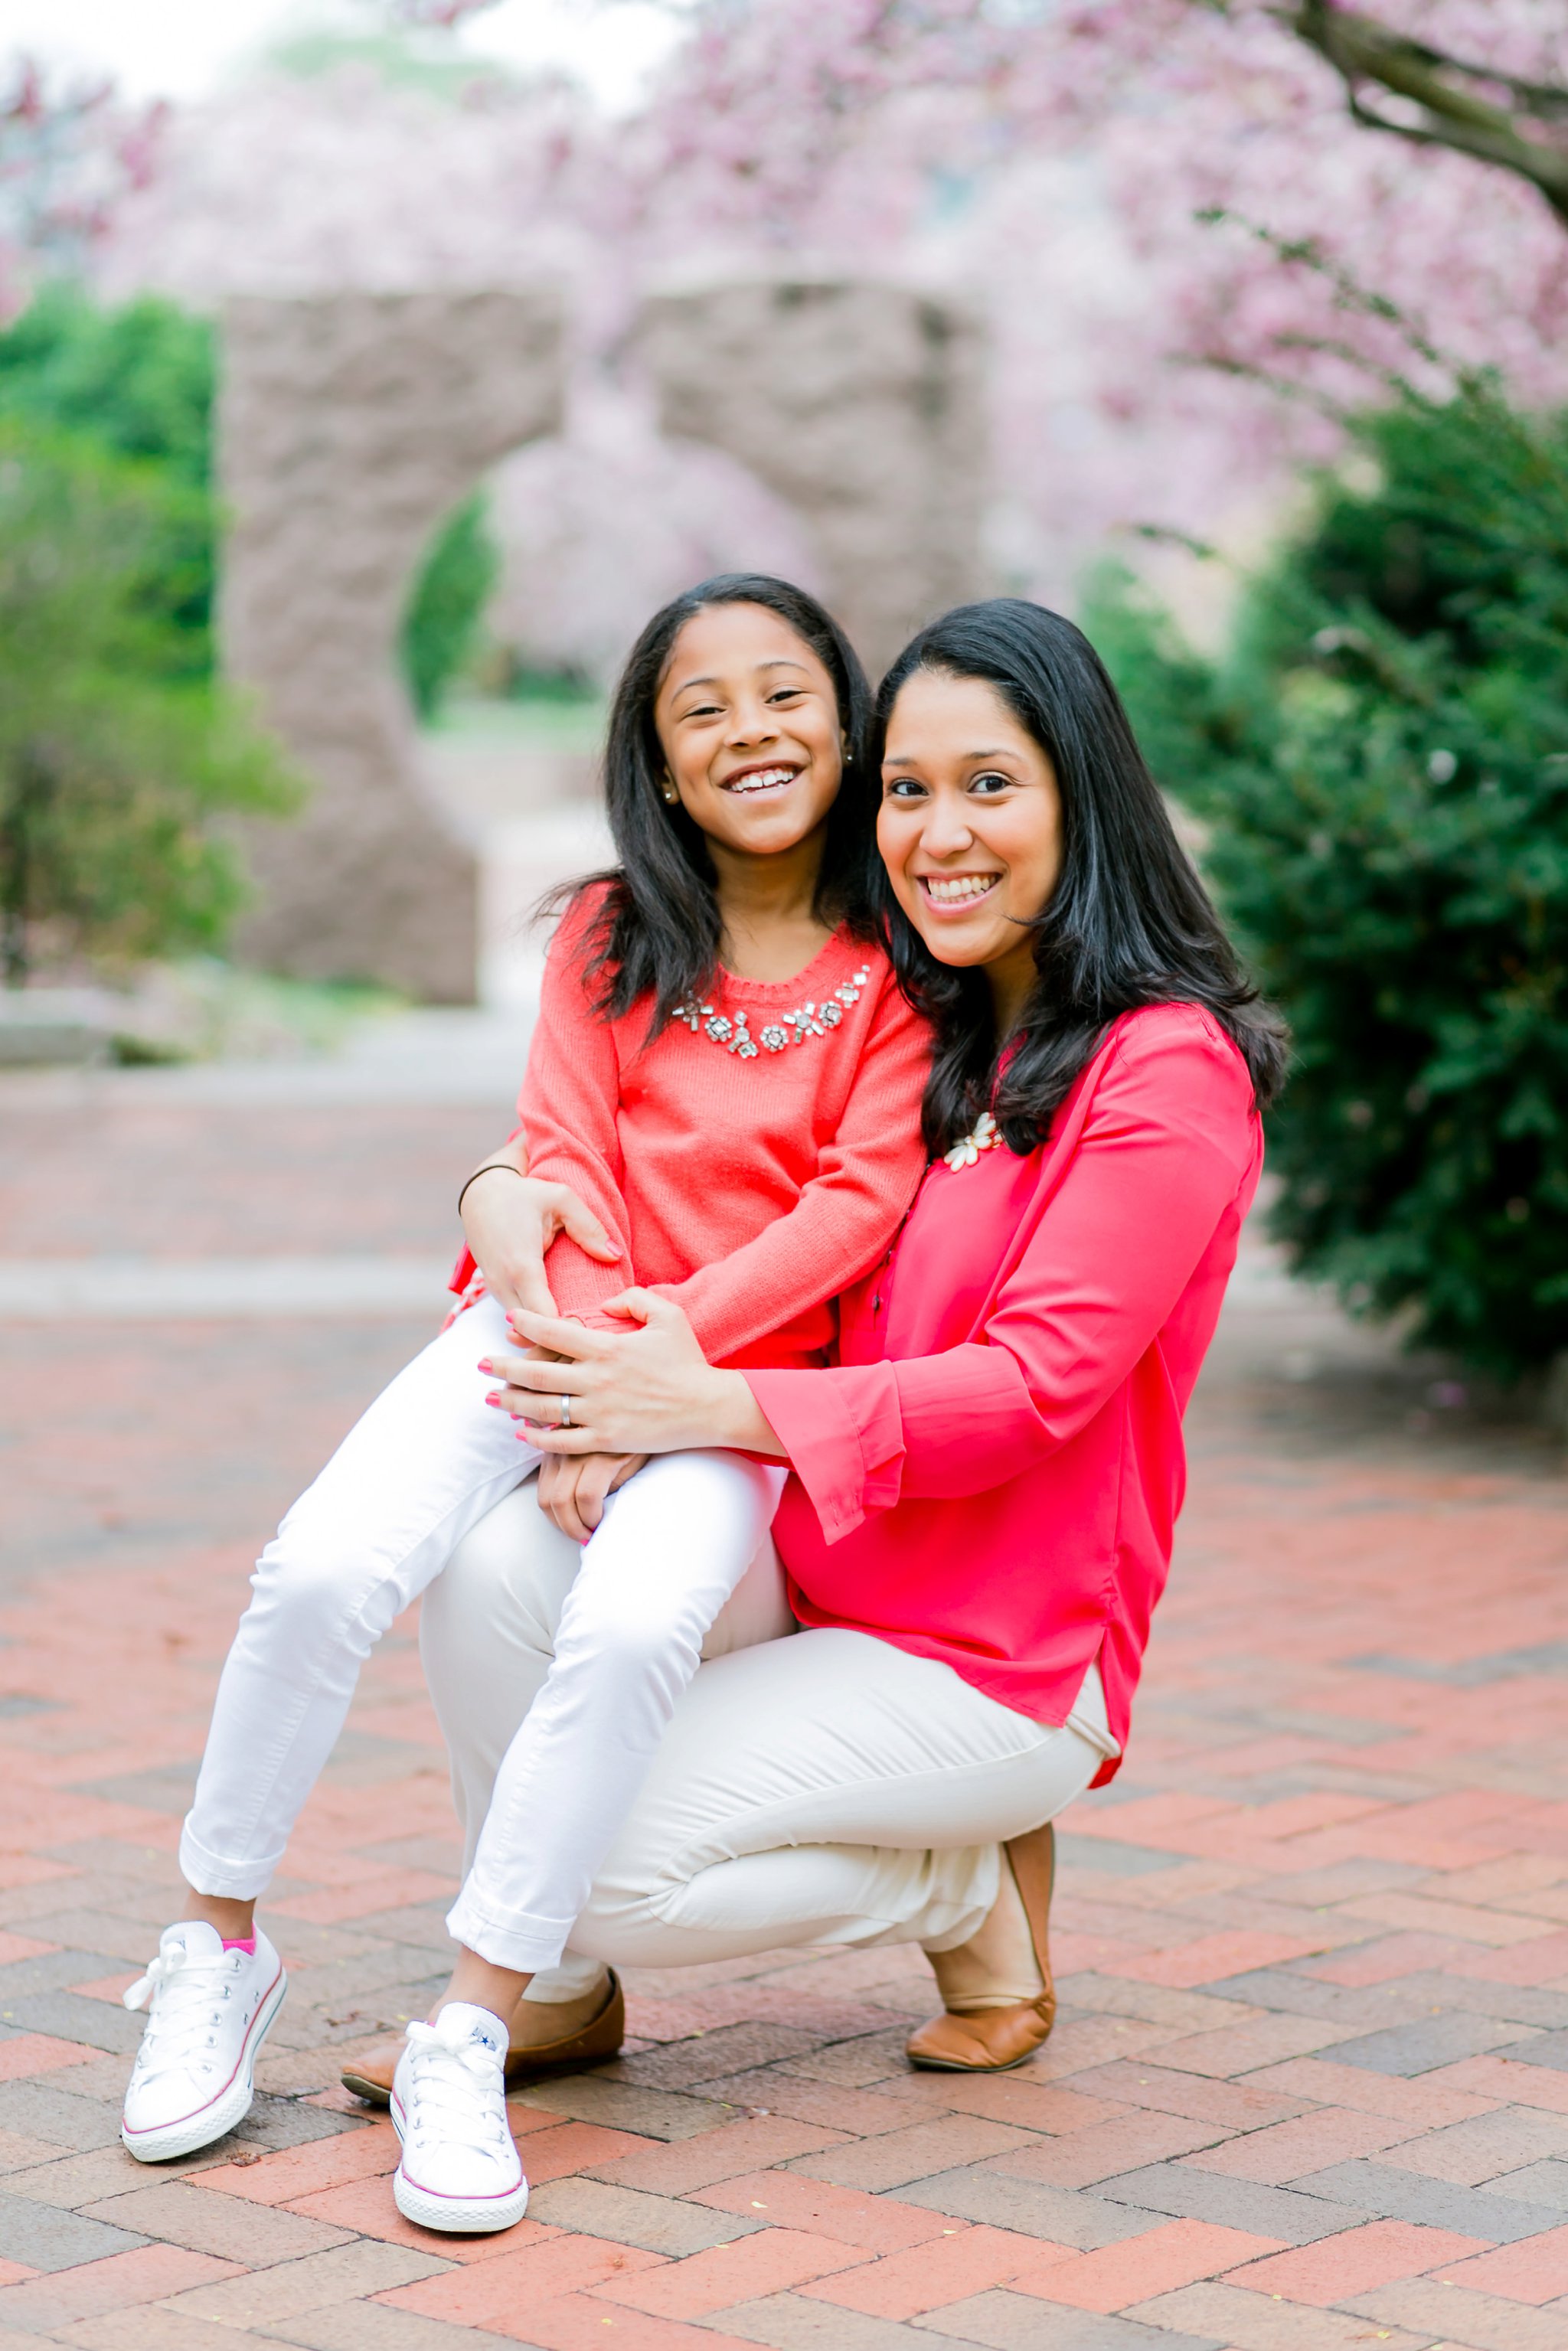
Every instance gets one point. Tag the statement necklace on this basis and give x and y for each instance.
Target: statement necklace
(982, 1136)
(789, 1028)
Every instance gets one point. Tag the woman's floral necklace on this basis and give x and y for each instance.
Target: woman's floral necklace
(982, 1136)
(789, 1028)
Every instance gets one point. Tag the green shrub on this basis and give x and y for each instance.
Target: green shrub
(116, 763)
(137, 382)
(443, 615)
(139, 379)
(1382, 762)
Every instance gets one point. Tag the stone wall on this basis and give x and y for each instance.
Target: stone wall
(349, 428)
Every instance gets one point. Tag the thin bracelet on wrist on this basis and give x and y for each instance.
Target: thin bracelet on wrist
(491, 1166)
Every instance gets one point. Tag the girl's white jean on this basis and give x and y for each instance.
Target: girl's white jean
(425, 1464)
(826, 1788)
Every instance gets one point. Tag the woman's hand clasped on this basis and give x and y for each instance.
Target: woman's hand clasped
(646, 1390)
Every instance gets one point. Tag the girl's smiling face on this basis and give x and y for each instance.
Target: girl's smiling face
(748, 719)
(969, 827)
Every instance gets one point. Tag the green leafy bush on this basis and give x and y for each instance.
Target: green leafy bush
(442, 619)
(137, 382)
(139, 379)
(1381, 759)
(116, 763)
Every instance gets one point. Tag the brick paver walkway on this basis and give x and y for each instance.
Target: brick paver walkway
(1310, 2087)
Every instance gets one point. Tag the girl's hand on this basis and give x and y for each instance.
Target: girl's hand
(573, 1487)
(510, 1219)
(648, 1390)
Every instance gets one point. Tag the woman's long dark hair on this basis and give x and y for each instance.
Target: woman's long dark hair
(1128, 922)
(657, 931)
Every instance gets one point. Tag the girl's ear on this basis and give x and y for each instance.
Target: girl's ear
(668, 789)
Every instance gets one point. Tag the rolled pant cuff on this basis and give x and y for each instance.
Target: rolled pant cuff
(522, 1942)
(228, 1881)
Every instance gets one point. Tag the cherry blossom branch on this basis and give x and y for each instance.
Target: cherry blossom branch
(1349, 293)
(1445, 91)
(67, 156)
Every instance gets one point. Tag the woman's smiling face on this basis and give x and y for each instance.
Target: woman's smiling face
(969, 826)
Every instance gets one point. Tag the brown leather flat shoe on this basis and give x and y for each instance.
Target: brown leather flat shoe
(993, 2040)
(369, 2076)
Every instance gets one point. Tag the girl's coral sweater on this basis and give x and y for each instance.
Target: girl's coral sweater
(750, 1187)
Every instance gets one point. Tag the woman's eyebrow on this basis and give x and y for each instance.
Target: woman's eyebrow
(911, 758)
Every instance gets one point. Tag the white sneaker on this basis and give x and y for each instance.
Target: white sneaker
(460, 2170)
(208, 2013)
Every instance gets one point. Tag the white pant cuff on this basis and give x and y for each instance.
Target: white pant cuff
(206, 1871)
(529, 1945)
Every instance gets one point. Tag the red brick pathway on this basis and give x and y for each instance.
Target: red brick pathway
(1310, 2087)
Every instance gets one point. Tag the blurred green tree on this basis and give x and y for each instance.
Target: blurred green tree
(1381, 758)
(441, 620)
(137, 381)
(117, 764)
(139, 378)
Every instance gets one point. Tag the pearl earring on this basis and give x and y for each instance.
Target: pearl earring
(672, 797)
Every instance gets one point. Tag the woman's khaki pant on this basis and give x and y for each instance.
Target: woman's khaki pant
(823, 1788)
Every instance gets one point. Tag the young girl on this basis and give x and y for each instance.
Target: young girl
(723, 1068)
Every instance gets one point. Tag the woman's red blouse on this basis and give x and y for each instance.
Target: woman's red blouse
(991, 1475)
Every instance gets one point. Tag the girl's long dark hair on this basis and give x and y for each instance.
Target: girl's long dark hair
(657, 930)
(1128, 924)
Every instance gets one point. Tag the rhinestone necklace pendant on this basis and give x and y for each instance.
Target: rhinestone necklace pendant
(793, 1028)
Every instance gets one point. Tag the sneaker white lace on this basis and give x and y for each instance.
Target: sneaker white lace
(460, 2170)
(208, 2013)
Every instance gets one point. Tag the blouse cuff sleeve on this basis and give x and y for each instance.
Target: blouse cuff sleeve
(843, 1433)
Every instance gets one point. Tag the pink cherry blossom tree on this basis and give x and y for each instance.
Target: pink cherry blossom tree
(443, 14)
(1158, 203)
(68, 152)
(780, 114)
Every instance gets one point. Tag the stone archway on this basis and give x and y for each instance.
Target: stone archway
(350, 425)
